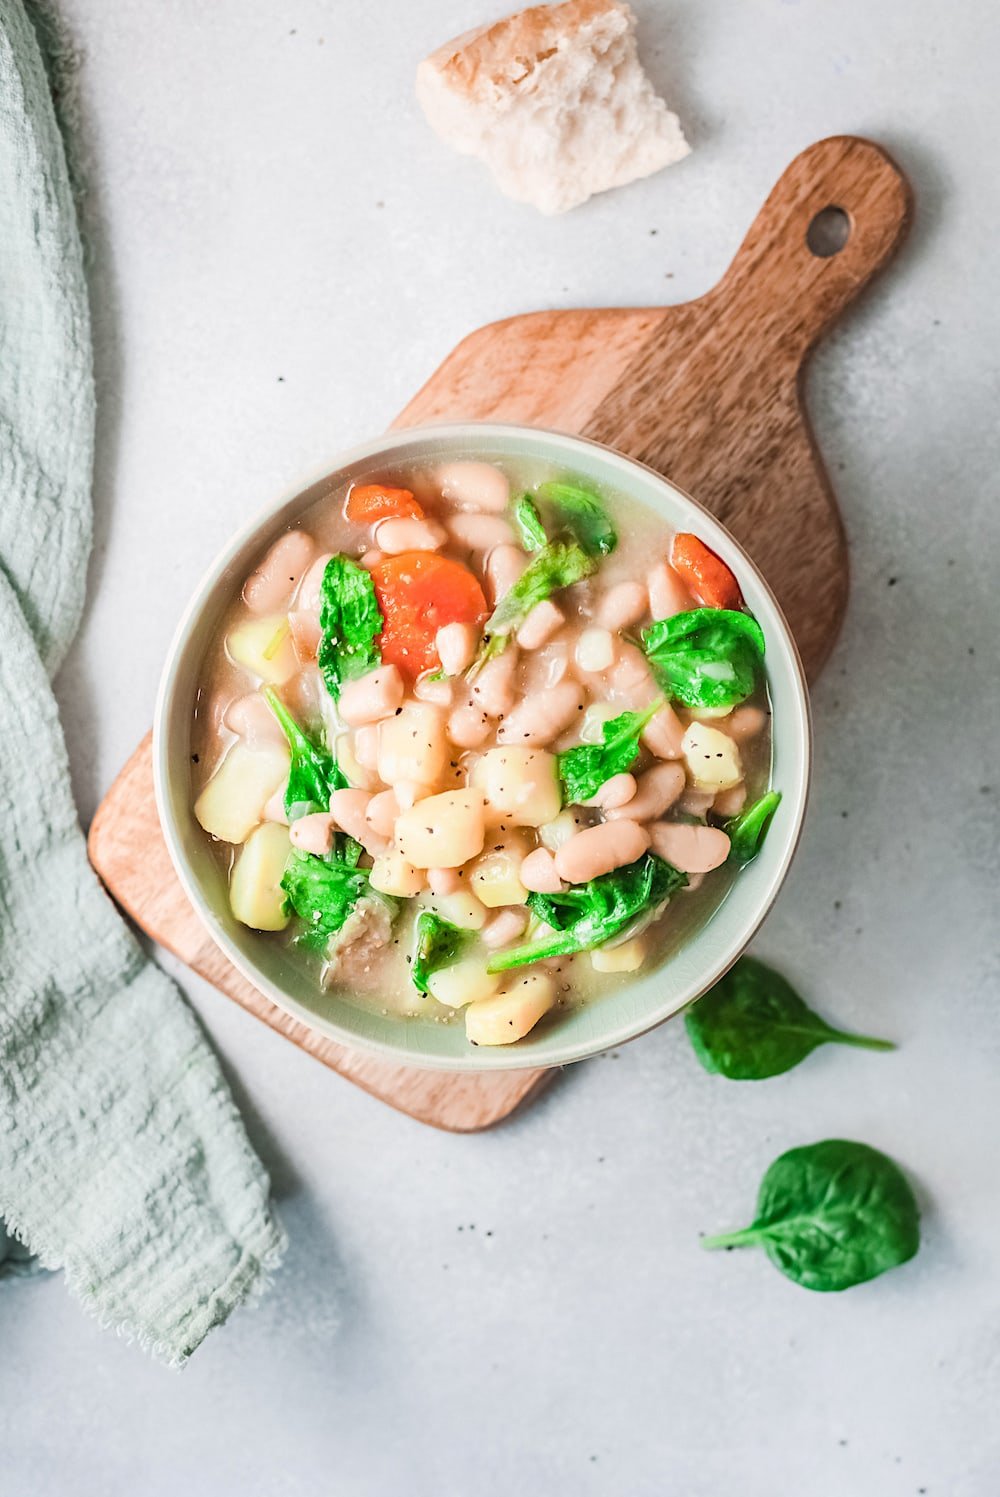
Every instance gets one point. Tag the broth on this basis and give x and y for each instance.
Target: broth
(230, 712)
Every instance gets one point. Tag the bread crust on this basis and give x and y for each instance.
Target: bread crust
(505, 52)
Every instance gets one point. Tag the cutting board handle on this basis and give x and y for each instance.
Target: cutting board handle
(781, 284)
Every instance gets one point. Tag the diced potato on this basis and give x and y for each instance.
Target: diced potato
(509, 1015)
(712, 758)
(392, 874)
(255, 891)
(557, 832)
(494, 879)
(233, 801)
(462, 909)
(412, 745)
(594, 718)
(521, 785)
(442, 831)
(628, 957)
(265, 647)
(467, 981)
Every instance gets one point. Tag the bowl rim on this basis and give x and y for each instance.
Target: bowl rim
(481, 1060)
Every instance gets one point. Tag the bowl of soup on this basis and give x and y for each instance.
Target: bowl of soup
(488, 748)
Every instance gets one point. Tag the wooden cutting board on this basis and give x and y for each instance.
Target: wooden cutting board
(709, 393)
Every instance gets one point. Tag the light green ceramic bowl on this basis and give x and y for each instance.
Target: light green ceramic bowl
(654, 995)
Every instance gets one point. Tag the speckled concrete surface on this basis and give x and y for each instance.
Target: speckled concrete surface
(282, 254)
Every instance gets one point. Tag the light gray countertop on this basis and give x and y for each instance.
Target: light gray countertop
(283, 253)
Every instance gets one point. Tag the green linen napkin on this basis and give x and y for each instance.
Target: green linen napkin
(123, 1160)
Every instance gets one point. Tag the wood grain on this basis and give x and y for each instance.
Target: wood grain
(709, 393)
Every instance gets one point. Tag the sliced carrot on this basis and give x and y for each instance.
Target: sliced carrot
(704, 573)
(368, 502)
(418, 592)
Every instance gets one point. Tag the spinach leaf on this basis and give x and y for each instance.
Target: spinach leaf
(322, 892)
(831, 1215)
(753, 1024)
(707, 657)
(581, 513)
(437, 943)
(313, 774)
(590, 914)
(350, 620)
(528, 523)
(558, 564)
(747, 831)
(584, 769)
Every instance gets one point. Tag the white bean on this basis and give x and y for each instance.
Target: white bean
(274, 809)
(504, 928)
(310, 592)
(371, 558)
(600, 849)
(272, 582)
(730, 802)
(480, 532)
(437, 692)
(540, 625)
(619, 791)
(371, 697)
(692, 849)
(313, 833)
(306, 632)
(504, 565)
(695, 802)
(667, 593)
(359, 776)
(474, 486)
(468, 726)
(539, 872)
(624, 604)
(381, 813)
(456, 647)
(348, 808)
(366, 745)
(493, 688)
(595, 650)
(405, 533)
(656, 792)
(444, 881)
(663, 735)
(539, 718)
(252, 719)
(746, 722)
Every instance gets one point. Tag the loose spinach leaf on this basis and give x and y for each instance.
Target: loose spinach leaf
(581, 513)
(322, 892)
(313, 774)
(747, 831)
(753, 1024)
(707, 657)
(590, 914)
(530, 530)
(584, 769)
(350, 620)
(437, 943)
(558, 564)
(831, 1215)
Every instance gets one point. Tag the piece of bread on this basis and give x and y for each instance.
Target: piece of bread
(554, 100)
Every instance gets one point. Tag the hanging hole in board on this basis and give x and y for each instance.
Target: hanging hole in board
(828, 232)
